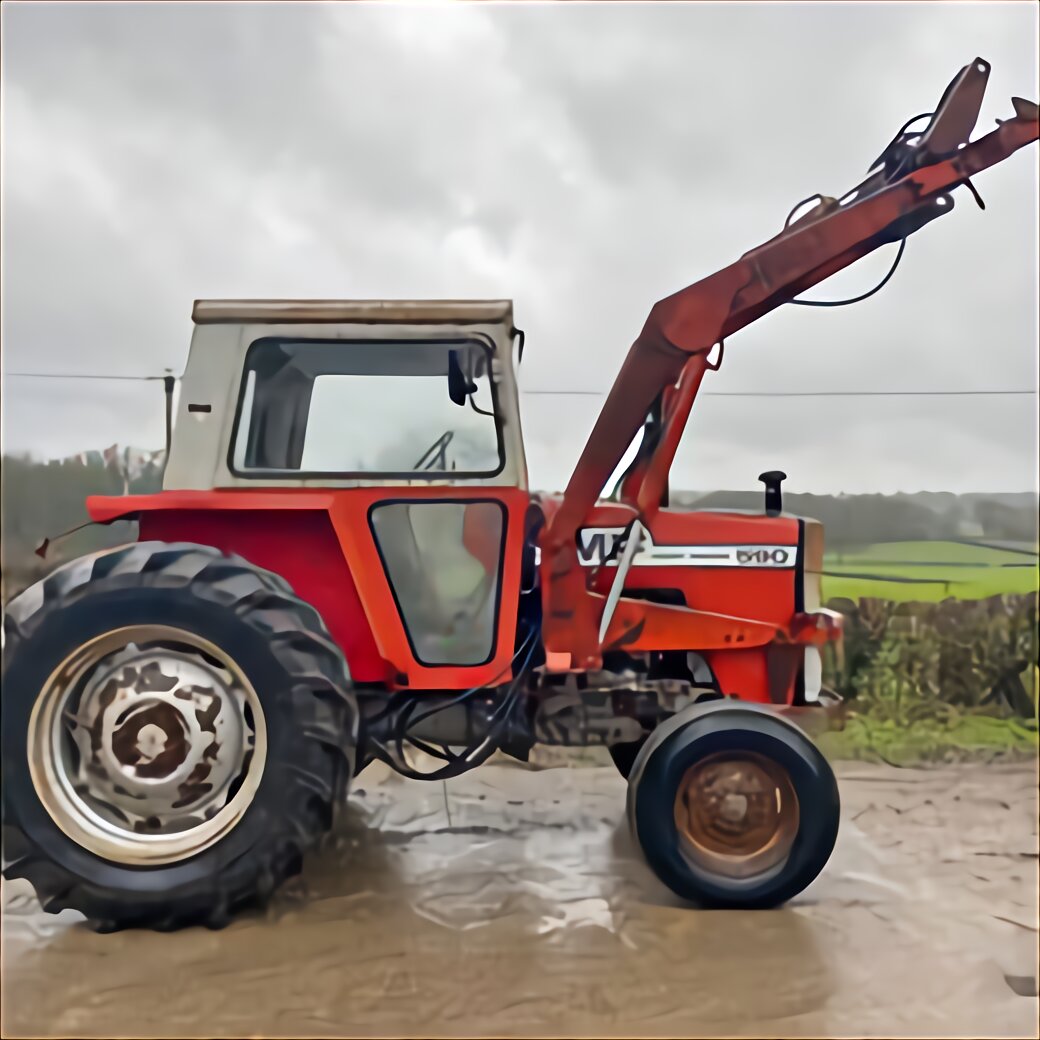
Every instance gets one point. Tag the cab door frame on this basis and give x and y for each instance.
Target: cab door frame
(349, 512)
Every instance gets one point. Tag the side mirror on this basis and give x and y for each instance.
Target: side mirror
(459, 386)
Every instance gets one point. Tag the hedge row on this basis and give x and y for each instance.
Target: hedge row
(907, 661)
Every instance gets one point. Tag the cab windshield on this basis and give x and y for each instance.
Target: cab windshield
(368, 408)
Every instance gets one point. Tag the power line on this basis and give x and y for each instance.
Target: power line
(867, 393)
(603, 393)
(82, 375)
(814, 393)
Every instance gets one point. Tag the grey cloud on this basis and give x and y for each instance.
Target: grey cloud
(584, 160)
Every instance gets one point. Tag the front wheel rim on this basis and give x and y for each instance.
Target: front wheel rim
(146, 745)
(736, 814)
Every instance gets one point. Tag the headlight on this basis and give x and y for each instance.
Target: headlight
(812, 673)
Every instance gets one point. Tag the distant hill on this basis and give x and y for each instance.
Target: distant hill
(922, 516)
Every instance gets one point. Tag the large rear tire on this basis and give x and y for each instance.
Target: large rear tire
(733, 806)
(178, 729)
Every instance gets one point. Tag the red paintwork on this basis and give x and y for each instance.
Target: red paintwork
(321, 543)
(677, 401)
(744, 673)
(736, 618)
(759, 594)
(301, 546)
(103, 508)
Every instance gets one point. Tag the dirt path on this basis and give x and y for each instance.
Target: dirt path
(528, 912)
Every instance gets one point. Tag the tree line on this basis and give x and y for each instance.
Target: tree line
(43, 499)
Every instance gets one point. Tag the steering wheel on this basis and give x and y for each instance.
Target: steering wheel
(436, 452)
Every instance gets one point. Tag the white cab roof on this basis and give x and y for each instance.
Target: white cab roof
(395, 312)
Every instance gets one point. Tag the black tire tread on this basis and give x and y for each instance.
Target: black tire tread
(322, 705)
(820, 814)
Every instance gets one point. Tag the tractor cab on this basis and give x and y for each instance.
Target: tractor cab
(330, 394)
(385, 438)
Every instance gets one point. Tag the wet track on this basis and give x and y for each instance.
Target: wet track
(517, 905)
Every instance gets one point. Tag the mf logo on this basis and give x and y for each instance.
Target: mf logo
(600, 545)
(763, 557)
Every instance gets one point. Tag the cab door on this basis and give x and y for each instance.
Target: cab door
(438, 573)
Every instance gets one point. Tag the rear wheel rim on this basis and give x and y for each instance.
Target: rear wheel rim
(146, 745)
(736, 814)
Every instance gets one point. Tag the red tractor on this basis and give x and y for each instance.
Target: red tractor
(345, 563)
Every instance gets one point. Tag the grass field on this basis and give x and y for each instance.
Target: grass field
(930, 571)
(929, 740)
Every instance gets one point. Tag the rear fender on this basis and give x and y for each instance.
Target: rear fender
(302, 546)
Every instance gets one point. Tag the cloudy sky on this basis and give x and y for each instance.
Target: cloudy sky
(584, 160)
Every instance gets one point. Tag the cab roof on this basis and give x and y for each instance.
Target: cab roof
(395, 312)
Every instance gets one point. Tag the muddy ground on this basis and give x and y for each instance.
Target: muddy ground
(516, 905)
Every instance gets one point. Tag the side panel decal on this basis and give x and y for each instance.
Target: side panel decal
(601, 547)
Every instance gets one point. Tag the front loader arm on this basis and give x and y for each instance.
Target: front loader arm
(907, 189)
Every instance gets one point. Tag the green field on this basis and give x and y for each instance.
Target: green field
(930, 571)
(932, 740)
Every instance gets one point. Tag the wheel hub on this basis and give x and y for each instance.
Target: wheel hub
(150, 740)
(146, 743)
(736, 814)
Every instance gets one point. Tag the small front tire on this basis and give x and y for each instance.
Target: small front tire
(733, 806)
